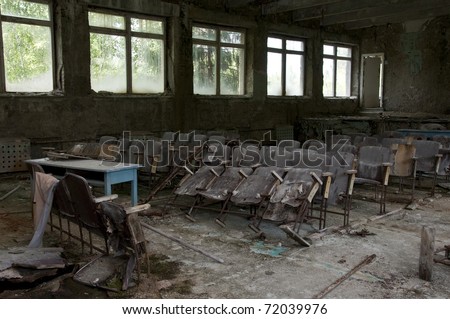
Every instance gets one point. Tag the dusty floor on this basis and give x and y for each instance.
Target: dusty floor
(276, 267)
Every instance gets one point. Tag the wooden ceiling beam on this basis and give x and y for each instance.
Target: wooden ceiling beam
(398, 18)
(281, 6)
(319, 11)
(399, 8)
(238, 3)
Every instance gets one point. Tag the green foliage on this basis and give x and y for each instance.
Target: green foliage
(231, 61)
(147, 56)
(230, 69)
(204, 65)
(25, 9)
(107, 54)
(27, 50)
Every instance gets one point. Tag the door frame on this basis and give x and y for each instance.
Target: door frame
(361, 80)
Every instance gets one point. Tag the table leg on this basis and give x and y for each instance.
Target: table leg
(107, 186)
(134, 189)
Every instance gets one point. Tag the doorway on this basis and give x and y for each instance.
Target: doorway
(371, 86)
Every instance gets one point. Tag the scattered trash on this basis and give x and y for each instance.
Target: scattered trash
(412, 206)
(105, 271)
(339, 281)
(29, 265)
(267, 249)
(363, 232)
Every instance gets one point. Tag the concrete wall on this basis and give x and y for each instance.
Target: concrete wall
(417, 68)
(416, 80)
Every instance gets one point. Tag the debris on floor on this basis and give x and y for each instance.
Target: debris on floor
(267, 249)
(363, 232)
(106, 272)
(29, 265)
(443, 259)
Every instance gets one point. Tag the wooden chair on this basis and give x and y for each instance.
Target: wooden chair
(256, 189)
(222, 187)
(192, 183)
(428, 159)
(107, 219)
(373, 168)
(296, 189)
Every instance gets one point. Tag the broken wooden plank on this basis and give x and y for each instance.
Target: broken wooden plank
(295, 236)
(441, 260)
(41, 263)
(426, 253)
(10, 192)
(339, 281)
(38, 257)
(24, 275)
(181, 242)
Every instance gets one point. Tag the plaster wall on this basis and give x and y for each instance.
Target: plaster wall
(74, 112)
(417, 68)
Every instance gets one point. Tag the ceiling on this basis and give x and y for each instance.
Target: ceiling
(351, 14)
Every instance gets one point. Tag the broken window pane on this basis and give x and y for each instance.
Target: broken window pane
(219, 63)
(294, 45)
(328, 49)
(147, 65)
(343, 76)
(146, 26)
(285, 67)
(127, 62)
(294, 71)
(25, 9)
(231, 71)
(231, 37)
(27, 57)
(204, 33)
(274, 43)
(108, 66)
(106, 21)
(328, 77)
(344, 52)
(274, 71)
(204, 60)
(337, 71)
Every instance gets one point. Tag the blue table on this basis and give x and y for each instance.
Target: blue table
(112, 172)
(425, 133)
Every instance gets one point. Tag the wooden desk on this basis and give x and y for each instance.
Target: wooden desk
(107, 172)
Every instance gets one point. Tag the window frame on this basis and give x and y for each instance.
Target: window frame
(29, 21)
(335, 58)
(218, 45)
(284, 52)
(127, 33)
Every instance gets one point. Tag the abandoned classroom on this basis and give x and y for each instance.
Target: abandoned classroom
(224, 149)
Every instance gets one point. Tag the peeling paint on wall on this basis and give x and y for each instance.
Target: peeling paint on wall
(409, 47)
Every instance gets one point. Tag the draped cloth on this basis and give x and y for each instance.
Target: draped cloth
(44, 190)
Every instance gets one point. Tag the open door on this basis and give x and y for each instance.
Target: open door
(371, 86)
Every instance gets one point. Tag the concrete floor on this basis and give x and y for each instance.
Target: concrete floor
(276, 267)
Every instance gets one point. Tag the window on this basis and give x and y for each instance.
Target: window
(127, 53)
(285, 66)
(219, 61)
(337, 70)
(26, 46)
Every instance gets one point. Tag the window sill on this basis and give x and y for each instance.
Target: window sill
(235, 97)
(297, 97)
(129, 95)
(340, 97)
(54, 93)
